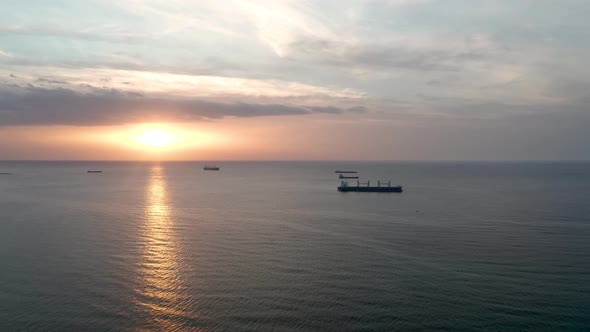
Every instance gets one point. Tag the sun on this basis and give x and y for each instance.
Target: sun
(156, 138)
(161, 138)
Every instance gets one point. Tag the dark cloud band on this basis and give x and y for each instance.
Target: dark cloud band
(61, 106)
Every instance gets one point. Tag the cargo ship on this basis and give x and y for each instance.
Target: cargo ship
(366, 187)
(345, 171)
(211, 168)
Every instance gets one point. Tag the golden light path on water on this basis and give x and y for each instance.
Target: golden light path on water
(161, 293)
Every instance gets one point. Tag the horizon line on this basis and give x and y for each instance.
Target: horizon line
(294, 160)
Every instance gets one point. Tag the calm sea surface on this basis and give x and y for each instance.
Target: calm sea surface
(274, 246)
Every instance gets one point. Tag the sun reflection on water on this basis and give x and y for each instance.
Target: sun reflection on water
(161, 293)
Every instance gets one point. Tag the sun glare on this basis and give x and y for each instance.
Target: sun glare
(161, 139)
(156, 138)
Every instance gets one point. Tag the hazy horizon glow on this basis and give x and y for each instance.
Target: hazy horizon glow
(295, 80)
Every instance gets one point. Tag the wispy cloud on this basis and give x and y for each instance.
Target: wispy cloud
(181, 85)
(55, 30)
(453, 55)
(5, 54)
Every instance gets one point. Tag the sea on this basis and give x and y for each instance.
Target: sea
(273, 246)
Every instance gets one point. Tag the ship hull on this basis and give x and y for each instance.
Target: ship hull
(397, 189)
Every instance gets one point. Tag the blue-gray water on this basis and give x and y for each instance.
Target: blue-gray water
(274, 246)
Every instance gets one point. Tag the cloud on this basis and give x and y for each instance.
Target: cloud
(182, 85)
(61, 106)
(417, 54)
(5, 54)
(50, 81)
(278, 23)
(399, 3)
(62, 31)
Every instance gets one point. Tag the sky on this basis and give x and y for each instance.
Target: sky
(295, 80)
